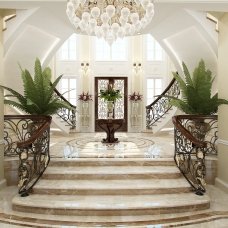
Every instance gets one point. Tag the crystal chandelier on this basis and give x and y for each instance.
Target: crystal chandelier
(110, 19)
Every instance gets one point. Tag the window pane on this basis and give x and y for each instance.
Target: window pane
(73, 101)
(119, 50)
(153, 49)
(157, 91)
(150, 83)
(68, 88)
(149, 101)
(72, 83)
(102, 50)
(72, 93)
(64, 83)
(150, 93)
(158, 83)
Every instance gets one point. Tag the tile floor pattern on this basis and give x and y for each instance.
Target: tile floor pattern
(156, 147)
(88, 145)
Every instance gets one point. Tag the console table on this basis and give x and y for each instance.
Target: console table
(110, 126)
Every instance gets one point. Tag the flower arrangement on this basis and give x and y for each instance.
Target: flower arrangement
(135, 97)
(85, 97)
(110, 94)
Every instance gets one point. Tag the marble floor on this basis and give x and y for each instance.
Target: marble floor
(132, 145)
(88, 145)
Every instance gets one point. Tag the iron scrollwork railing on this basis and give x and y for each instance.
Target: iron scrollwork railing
(69, 116)
(195, 137)
(160, 106)
(28, 137)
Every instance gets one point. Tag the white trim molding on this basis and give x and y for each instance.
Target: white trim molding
(2, 142)
(221, 184)
(222, 141)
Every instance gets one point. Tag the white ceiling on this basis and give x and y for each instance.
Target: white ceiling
(180, 26)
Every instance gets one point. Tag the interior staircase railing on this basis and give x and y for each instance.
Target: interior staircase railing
(69, 116)
(160, 106)
(195, 137)
(28, 137)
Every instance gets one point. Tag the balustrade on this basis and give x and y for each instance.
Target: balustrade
(195, 137)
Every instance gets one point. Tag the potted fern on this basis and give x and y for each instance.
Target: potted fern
(39, 97)
(196, 94)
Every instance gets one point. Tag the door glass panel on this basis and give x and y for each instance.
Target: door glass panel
(102, 105)
(119, 105)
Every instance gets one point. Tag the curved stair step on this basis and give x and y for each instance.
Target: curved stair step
(113, 205)
(112, 187)
(112, 162)
(111, 172)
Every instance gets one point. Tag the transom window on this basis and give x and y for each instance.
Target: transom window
(154, 51)
(69, 83)
(68, 50)
(153, 88)
(116, 52)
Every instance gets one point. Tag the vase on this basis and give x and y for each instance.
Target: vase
(135, 108)
(85, 107)
(110, 109)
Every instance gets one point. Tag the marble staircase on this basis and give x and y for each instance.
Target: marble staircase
(108, 192)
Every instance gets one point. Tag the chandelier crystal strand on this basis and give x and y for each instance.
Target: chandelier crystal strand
(110, 19)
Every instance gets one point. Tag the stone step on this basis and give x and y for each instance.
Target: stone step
(111, 172)
(113, 205)
(112, 162)
(112, 187)
(166, 220)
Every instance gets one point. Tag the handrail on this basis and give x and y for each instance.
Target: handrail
(162, 94)
(67, 115)
(195, 137)
(63, 98)
(28, 137)
(160, 106)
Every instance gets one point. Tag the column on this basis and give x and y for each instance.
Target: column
(222, 178)
(2, 179)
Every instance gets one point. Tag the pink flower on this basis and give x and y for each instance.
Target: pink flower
(135, 97)
(85, 97)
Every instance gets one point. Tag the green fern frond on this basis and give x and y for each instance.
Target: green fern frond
(187, 75)
(196, 92)
(39, 97)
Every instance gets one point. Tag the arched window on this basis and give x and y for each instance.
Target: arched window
(68, 50)
(154, 51)
(116, 52)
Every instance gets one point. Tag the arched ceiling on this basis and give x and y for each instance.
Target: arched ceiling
(40, 27)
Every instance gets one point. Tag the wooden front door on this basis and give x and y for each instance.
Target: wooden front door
(119, 83)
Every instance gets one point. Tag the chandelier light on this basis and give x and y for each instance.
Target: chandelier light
(110, 19)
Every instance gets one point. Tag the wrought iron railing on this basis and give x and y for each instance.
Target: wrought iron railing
(195, 137)
(28, 137)
(160, 106)
(69, 116)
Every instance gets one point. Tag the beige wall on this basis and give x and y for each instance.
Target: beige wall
(222, 179)
(2, 180)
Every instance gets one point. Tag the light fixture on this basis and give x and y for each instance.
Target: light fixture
(85, 68)
(137, 67)
(110, 19)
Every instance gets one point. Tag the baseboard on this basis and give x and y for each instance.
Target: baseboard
(2, 184)
(221, 184)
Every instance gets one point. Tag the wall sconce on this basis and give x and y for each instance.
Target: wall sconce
(84, 68)
(137, 67)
